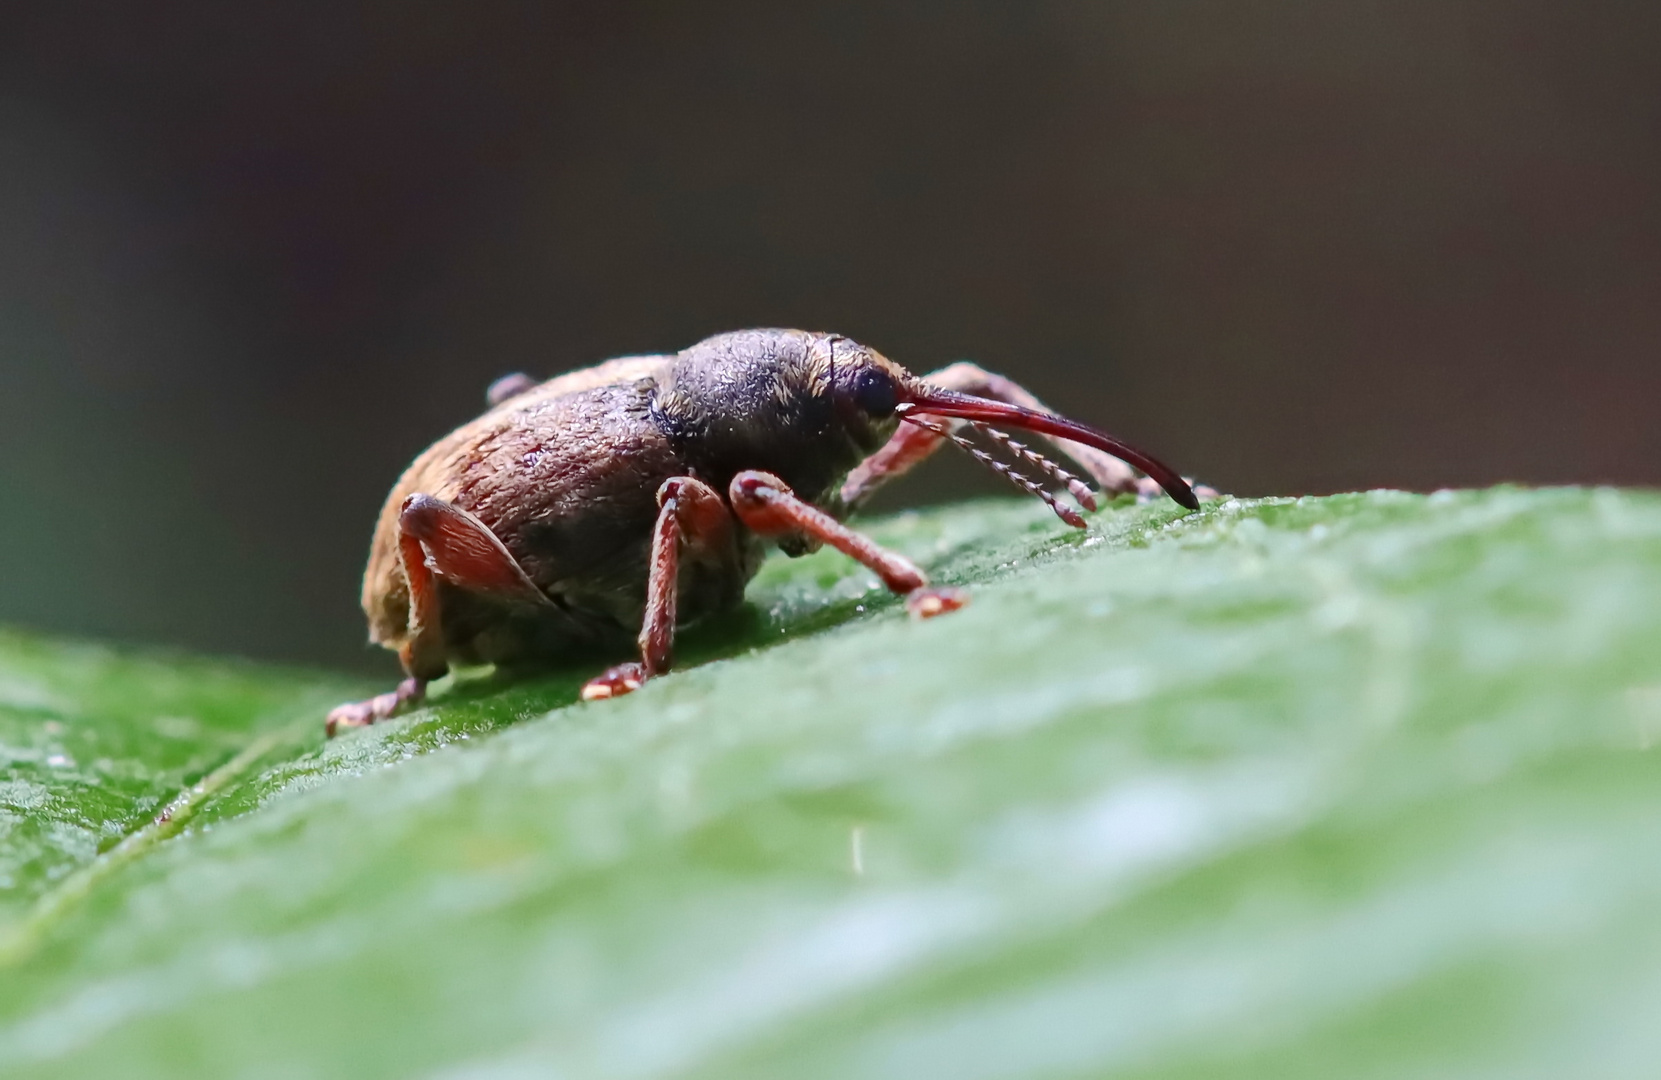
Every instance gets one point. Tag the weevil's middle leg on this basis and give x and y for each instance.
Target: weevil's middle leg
(690, 516)
(767, 506)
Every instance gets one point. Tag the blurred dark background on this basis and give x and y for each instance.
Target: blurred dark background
(254, 256)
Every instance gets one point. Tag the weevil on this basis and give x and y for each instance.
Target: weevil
(602, 509)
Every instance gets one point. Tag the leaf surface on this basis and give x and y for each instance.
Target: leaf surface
(1361, 785)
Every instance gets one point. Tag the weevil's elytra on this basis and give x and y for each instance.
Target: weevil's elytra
(603, 508)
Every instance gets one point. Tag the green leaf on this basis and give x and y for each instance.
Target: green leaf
(1353, 786)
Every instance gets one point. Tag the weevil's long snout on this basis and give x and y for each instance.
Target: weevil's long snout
(948, 403)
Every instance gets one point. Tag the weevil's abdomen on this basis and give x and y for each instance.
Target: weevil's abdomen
(566, 476)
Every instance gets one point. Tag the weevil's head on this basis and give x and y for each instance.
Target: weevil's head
(808, 407)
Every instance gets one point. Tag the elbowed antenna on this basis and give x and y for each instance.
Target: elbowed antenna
(1031, 487)
(949, 403)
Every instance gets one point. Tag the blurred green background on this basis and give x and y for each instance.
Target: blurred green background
(254, 256)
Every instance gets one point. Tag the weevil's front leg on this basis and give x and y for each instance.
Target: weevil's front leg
(438, 542)
(769, 508)
(911, 443)
(691, 519)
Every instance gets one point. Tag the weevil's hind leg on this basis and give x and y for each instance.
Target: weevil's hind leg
(769, 508)
(691, 519)
(438, 542)
(911, 444)
(353, 714)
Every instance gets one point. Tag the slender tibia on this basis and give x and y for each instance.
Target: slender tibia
(768, 507)
(690, 514)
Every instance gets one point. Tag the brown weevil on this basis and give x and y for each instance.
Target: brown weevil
(603, 508)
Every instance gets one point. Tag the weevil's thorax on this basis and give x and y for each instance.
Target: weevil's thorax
(805, 407)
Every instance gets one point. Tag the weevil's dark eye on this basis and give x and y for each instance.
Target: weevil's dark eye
(873, 391)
